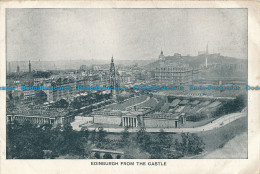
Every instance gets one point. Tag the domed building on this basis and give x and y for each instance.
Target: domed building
(173, 72)
(161, 56)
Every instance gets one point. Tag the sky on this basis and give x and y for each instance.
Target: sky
(127, 34)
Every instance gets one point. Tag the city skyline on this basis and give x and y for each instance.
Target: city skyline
(134, 39)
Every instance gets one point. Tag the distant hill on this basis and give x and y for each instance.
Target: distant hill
(219, 67)
(198, 61)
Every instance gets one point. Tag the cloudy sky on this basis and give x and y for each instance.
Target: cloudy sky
(85, 34)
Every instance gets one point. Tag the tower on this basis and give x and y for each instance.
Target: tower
(30, 67)
(161, 56)
(18, 69)
(92, 65)
(207, 52)
(207, 49)
(112, 76)
(9, 67)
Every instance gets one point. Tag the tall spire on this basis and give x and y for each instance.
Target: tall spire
(112, 77)
(18, 69)
(207, 48)
(30, 67)
(9, 67)
(207, 52)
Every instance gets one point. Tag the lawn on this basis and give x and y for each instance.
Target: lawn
(217, 138)
(236, 148)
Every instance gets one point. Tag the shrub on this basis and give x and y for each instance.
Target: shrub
(196, 117)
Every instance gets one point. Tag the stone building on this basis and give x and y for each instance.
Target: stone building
(164, 120)
(40, 117)
(173, 72)
(130, 120)
(107, 117)
(120, 118)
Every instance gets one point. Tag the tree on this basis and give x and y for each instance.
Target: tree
(144, 140)
(101, 138)
(62, 103)
(125, 141)
(232, 106)
(160, 146)
(107, 156)
(164, 140)
(177, 145)
(240, 102)
(84, 133)
(195, 144)
(197, 117)
(159, 105)
(97, 155)
(40, 97)
(27, 141)
(23, 141)
(72, 143)
(10, 95)
(93, 136)
(191, 144)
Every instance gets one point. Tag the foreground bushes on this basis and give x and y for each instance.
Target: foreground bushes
(232, 106)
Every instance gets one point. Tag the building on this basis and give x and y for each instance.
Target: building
(18, 69)
(83, 68)
(173, 72)
(67, 83)
(131, 118)
(139, 112)
(107, 117)
(29, 96)
(66, 88)
(206, 52)
(40, 116)
(9, 67)
(164, 120)
(126, 78)
(161, 56)
(139, 118)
